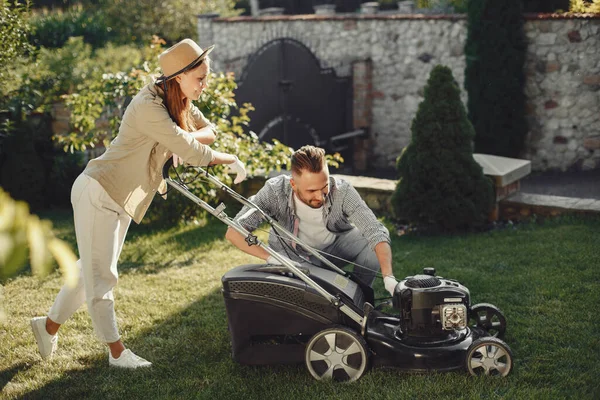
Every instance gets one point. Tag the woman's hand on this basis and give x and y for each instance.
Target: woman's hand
(177, 160)
(238, 168)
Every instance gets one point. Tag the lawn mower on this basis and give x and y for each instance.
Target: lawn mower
(326, 318)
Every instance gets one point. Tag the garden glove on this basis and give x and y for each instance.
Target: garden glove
(390, 284)
(273, 261)
(177, 160)
(238, 168)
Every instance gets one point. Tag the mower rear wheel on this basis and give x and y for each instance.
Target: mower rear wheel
(489, 356)
(489, 318)
(337, 353)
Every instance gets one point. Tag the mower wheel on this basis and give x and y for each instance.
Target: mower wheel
(489, 356)
(489, 318)
(337, 353)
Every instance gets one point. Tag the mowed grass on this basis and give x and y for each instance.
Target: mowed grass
(170, 310)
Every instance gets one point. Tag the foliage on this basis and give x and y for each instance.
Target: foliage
(24, 236)
(37, 83)
(139, 20)
(218, 105)
(459, 6)
(441, 186)
(107, 97)
(387, 4)
(494, 77)
(585, 6)
(545, 6)
(52, 29)
(64, 170)
(23, 180)
(13, 31)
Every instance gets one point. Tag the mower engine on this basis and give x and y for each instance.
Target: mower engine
(430, 306)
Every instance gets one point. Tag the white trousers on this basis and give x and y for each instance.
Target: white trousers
(100, 226)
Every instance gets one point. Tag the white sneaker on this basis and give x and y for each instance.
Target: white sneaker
(46, 342)
(128, 360)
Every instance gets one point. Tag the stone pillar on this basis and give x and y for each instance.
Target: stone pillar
(362, 111)
(254, 8)
(206, 29)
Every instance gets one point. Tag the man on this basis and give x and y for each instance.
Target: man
(324, 212)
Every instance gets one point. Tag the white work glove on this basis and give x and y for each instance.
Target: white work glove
(238, 168)
(177, 160)
(390, 284)
(272, 260)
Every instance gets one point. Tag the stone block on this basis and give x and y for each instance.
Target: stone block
(574, 36)
(592, 142)
(552, 66)
(592, 80)
(504, 170)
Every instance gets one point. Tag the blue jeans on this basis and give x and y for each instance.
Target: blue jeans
(353, 246)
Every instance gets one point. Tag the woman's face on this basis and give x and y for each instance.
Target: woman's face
(193, 82)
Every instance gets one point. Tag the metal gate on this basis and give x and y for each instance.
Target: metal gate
(297, 102)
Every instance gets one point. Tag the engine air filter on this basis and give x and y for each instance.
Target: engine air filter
(422, 281)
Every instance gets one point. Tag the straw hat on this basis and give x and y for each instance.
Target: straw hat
(181, 57)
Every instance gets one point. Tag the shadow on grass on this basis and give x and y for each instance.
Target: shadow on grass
(191, 357)
(176, 240)
(7, 375)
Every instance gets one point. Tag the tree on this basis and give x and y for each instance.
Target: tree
(13, 31)
(441, 186)
(494, 76)
(138, 20)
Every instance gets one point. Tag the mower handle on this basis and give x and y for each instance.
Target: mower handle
(165, 171)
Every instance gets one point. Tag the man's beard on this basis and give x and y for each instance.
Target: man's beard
(311, 203)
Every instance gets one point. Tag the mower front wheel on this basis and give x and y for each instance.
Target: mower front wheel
(489, 356)
(337, 353)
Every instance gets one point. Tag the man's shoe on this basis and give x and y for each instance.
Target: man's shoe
(128, 360)
(46, 342)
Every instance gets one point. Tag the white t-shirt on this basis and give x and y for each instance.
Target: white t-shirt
(312, 229)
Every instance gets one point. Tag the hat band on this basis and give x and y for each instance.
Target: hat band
(190, 66)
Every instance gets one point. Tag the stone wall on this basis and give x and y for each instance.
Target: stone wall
(563, 72)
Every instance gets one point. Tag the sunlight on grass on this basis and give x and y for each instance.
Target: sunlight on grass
(170, 310)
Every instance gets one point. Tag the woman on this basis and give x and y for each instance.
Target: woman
(118, 186)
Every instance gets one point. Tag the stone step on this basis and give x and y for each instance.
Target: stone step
(377, 194)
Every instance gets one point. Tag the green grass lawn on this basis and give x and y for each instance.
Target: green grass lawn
(170, 310)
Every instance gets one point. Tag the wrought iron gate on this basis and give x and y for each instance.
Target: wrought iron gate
(297, 102)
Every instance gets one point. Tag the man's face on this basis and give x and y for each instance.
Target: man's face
(311, 187)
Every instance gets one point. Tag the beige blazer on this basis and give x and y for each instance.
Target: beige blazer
(131, 168)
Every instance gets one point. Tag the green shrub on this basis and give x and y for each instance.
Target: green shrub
(459, 6)
(52, 29)
(64, 170)
(138, 20)
(545, 6)
(585, 6)
(441, 186)
(13, 31)
(494, 76)
(23, 174)
(108, 96)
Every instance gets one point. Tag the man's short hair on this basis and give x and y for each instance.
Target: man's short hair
(308, 158)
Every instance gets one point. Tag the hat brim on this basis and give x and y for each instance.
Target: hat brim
(190, 66)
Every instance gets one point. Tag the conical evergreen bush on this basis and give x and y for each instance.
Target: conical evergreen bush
(495, 52)
(441, 186)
